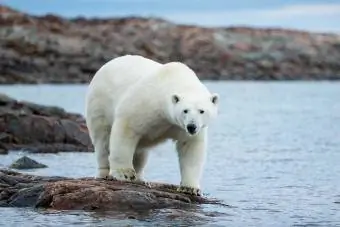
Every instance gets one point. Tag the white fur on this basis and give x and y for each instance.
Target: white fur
(134, 104)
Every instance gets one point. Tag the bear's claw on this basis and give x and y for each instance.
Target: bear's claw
(142, 182)
(189, 190)
(127, 174)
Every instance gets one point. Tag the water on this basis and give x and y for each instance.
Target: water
(273, 155)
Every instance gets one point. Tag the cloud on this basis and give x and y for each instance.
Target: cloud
(306, 10)
(316, 17)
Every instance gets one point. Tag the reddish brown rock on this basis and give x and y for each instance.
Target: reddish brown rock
(21, 190)
(52, 49)
(38, 128)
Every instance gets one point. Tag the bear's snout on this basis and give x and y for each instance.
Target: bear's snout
(191, 128)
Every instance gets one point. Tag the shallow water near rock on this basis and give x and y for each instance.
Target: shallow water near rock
(273, 156)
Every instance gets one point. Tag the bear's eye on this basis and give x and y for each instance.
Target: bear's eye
(185, 111)
(201, 111)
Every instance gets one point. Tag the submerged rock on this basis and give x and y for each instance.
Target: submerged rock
(40, 129)
(60, 193)
(26, 163)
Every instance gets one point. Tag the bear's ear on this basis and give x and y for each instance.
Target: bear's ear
(214, 98)
(175, 99)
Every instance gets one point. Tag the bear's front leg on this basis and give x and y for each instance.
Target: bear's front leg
(123, 143)
(191, 154)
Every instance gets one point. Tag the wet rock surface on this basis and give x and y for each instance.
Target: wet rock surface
(26, 163)
(3, 151)
(22, 190)
(40, 129)
(41, 49)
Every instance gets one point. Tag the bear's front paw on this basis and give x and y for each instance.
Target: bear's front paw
(103, 174)
(124, 174)
(189, 190)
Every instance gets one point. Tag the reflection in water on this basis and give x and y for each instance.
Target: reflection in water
(172, 217)
(273, 157)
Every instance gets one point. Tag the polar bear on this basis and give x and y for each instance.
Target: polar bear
(134, 103)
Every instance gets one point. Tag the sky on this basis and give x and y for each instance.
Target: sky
(312, 15)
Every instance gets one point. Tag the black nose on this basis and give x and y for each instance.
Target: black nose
(191, 128)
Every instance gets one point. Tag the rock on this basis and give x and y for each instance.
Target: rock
(26, 163)
(53, 49)
(3, 151)
(4, 99)
(60, 193)
(55, 130)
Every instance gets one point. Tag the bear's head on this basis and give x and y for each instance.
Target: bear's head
(192, 113)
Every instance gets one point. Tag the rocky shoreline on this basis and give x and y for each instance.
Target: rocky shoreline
(89, 194)
(53, 49)
(40, 129)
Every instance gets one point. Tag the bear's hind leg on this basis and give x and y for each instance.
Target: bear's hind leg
(99, 132)
(122, 146)
(139, 161)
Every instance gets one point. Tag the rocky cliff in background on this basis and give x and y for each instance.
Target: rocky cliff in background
(52, 49)
(40, 129)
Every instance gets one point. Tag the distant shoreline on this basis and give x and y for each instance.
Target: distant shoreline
(203, 80)
(55, 50)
